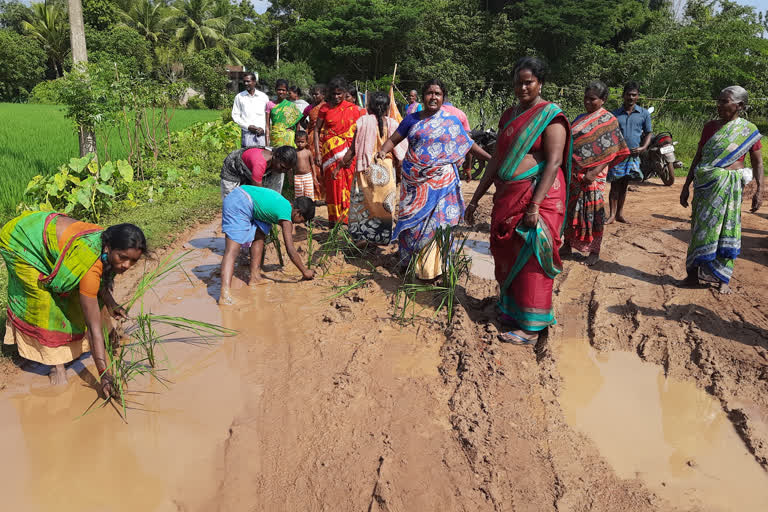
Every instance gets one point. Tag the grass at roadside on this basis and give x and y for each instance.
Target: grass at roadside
(37, 139)
(161, 222)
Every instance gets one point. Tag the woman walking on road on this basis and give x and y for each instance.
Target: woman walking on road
(719, 176)
(59, 271)
(430, 190)
(531, 170)
(597, 146)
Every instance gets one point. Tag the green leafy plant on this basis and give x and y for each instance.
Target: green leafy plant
(455, 267)
(338, 241)
(81, 188)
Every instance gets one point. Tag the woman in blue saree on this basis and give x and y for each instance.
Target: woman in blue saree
(718, 175)
(430, 190)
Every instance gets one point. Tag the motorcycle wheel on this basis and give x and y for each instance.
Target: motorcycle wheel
(667, 177)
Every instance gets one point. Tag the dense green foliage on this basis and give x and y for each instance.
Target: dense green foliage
(677, 50)
(37, 139)
(23, 65)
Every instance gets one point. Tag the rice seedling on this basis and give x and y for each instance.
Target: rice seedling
(310, 243)
(338, 241)
(274, 239)
(136, 356)
(455, 267)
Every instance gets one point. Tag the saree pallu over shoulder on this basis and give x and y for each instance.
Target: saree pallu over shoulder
(284, 117)
(527, 259)
(42, 298)
(716, 204)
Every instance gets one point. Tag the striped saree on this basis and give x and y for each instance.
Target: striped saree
(335, 139)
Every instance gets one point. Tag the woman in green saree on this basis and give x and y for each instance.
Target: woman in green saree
(718, 175)
(283, 118)
(60, 272)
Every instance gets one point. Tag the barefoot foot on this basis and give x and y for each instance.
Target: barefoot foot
(593, 258)
(226, 299)
(725, 289)
(610, 220)
(58, 375)
(256, 282)
(620, 218)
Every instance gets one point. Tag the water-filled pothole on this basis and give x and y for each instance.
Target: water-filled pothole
(670, 434)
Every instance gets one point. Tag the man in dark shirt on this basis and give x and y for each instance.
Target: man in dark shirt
(635, 124)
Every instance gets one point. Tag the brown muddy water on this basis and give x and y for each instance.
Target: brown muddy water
(55, 459)
(669, 433)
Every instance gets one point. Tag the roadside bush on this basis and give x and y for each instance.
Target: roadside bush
(46, 93)
(81, 188)
(206, 70)
(23, 65)
(122, 46)
(195, 103)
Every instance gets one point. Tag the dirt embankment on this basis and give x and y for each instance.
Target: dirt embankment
(328, 404)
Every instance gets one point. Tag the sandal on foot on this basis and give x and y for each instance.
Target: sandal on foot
(515, 339)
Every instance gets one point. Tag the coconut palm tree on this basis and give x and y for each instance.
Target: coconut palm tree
(48, 25)
(147, 17)
(197, 28)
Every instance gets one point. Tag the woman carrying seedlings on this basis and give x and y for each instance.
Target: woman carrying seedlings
(335, 128)
(718, 175)
(247, 216)
(374, 189)
(430, 189)
(59, 272)
(531, 169)
(597, 146)
(283, 117)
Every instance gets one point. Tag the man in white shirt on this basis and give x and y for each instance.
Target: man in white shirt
(250, 113)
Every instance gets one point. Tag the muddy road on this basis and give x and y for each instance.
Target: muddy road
(644, 397)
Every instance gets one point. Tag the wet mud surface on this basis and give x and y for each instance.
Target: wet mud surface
(644, 397)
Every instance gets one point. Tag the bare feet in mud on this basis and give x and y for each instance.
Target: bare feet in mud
(58, 375)
(610, 220)
(725, 289)
(226, 299)
(620, 218)
(593, 258)
(255, 282)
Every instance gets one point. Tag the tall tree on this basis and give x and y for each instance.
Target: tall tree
(148, 18)
(48, 25)
(86, 135)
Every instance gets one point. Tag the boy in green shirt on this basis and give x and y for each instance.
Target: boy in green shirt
(248, 213)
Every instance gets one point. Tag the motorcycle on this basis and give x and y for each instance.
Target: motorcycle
(659, 159)
(486, 139)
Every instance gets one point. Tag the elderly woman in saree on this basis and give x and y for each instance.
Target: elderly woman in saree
(597, 146)
(718, 175)
(531, 170)
(334, 131)
(430, 189)
(283, 117)
(374, 191)
(60, 272)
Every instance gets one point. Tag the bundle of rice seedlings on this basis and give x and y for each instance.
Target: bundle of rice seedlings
(338, 241)
(310, 243)
(455, 266)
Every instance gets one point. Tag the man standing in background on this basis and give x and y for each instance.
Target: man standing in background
(250, 113)
(635, 124)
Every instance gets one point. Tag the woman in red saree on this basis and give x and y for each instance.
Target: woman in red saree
(598, 145)
(531, 171)
(334, 132)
